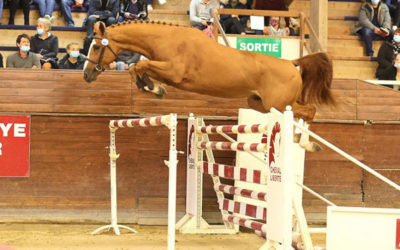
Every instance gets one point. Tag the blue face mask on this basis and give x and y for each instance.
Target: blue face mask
(25, 48)
(74, 54)
(40, 31)
(396, 38)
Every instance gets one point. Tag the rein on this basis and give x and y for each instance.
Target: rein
(104, 44)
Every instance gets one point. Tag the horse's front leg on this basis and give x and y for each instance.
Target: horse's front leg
(136, 79)
(162, 71)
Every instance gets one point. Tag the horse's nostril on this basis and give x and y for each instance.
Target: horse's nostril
(85, 75)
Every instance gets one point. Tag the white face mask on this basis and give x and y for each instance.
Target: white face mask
(375, 2)
(396, 38)
(397, 65)
(40, 31)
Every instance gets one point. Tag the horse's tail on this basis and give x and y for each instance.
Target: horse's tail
(316, 73)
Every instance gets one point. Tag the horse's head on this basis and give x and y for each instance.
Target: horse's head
(101, 53)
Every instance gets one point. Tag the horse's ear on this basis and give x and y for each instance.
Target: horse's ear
(99, 28)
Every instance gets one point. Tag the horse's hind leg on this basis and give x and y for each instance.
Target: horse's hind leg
(306, 112)
(158, 70)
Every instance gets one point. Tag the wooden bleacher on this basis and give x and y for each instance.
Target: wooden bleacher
(347, 51)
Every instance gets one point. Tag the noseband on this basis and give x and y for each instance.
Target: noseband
(104, 44)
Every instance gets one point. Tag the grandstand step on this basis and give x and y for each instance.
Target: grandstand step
(354, 69)
(355, 51)
(335, 9)
(78, 17)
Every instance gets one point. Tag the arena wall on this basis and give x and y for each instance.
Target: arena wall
(69, 171)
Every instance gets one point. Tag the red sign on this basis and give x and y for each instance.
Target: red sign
(397, 234)
(14, 146)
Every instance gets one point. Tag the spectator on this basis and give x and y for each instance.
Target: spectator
(374, 23)
(46, 8)
(45, 44)
(132, 9)
(13, 5)
(65, 6)
(271, 5)
(23, 58)
(1, 9)
(274, 28)
(73, 59)
(386, 58)
(124, 60)
(149, 4)
(234, 24)
(200, 13)
(101, 10)
(394, 10)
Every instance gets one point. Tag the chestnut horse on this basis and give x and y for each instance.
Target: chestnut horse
(187, 59)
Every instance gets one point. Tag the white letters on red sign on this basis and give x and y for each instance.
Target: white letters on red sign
(19, 129)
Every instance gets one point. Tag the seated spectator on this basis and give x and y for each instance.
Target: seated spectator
(234, 24)
(388, 51)
(45, 44)
(374, 23)
(23, 58)
(274, 28)
(394, 11)
(101, 10)
(200, 13)
(73, 59)
(132, 10)
(46, 8)
(124, 60)
(66, 5)
(1, 61)
(149, 4)
(13, 5)
(1, 9)
(271, 5)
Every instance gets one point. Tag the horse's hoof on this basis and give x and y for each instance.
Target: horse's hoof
(161, 92)
(296, 138)
(316, 147)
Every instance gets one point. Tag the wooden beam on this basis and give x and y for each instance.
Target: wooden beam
(319, 21)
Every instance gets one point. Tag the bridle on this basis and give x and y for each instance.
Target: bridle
(104, 44)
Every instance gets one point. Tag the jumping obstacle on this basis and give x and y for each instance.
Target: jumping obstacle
(170, 121)
(266, 198)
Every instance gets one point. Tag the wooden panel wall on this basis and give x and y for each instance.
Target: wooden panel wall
(70, 169)
(69, 162)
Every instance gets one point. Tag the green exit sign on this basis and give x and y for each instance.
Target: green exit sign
(269, 46)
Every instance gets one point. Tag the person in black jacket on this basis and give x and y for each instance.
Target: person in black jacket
(45, 44)
(73, 59)
(1, 61)
(101, 10)
(132, 10)
(13, 5)
(234, 24)
(387, 53)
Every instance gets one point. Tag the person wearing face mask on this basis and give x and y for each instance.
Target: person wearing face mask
(374, 23)
(274, 28)
(73, 59)
(45, 44)
(387, 67)
(23, 58)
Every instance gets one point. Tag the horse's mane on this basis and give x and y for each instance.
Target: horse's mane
(130, 22)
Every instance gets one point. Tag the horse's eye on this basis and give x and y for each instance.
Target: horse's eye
(96, 47)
